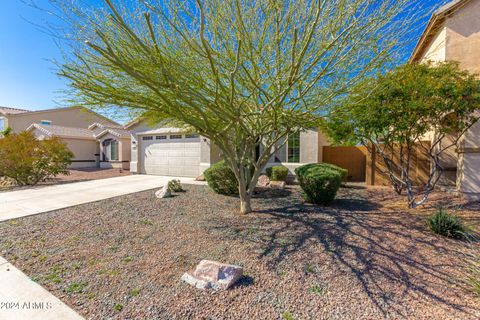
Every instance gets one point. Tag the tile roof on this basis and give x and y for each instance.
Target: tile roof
(63, 132)
(118, 132)
(8, 110)
(84, 133)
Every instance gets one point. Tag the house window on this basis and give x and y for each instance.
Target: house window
(161, 137)
(176, 136)
(147, 138)
(46, 122)
(191, 136)
(2, 123)
(110, 150)
(293, 148)
(114, 150)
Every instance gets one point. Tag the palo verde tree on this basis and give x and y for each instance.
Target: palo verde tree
(244, 74)
(413, 109)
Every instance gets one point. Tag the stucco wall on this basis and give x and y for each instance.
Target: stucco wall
(83, 150)
(463, 45)
(436, 51)
(70, 117)
(135, 144)
(463, 37)
(309, 144)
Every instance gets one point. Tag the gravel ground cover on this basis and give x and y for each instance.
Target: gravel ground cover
(365, 257)
(76, 175)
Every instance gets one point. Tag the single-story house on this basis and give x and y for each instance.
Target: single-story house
(163, 150)
(453, 34)
(95, 140)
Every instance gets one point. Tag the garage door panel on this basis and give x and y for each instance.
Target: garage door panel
(175, 157)
(191, 171)
(191, 161)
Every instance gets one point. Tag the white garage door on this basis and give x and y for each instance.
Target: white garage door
(171, 155)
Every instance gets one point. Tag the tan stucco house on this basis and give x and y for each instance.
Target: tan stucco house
(163, 150)
(95, 140)
(453, 34)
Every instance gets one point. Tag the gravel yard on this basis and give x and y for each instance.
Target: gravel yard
(76, 175)
(363, 258)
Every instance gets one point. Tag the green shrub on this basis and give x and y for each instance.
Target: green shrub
(445, 224)
(175, 185)
(343, 172)
(221, 179)
(29, 161)
(319, 182)
(277, 173)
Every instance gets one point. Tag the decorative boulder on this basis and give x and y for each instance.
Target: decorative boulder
(263, 181)
(165, 192)
(213, 275)
(200, 178)
(277, 185)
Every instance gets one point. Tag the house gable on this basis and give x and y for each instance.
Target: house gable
(77, 117)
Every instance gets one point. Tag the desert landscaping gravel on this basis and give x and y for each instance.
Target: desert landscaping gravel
(365, 257)
(75, 175)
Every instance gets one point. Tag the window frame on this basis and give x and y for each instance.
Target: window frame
(293, 143)
(114, 147)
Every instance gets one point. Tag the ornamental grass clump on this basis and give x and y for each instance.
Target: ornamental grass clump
(473, 268)
(447, 225)
(319, 182)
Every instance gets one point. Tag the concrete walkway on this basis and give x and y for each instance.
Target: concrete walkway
(22, 298)
(21, 203)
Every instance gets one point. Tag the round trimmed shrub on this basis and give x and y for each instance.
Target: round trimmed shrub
(343, 172)
(445, 224)
(221, 179)
(277, 173)
(319, 182)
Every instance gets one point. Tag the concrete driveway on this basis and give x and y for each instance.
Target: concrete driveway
(21, 203)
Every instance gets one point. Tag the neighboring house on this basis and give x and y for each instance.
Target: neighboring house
(453, 34)
(95, 140)
(163, 150)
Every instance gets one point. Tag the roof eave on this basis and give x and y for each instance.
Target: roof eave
(438, 18)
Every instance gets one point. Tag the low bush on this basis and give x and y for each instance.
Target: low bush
(175, 185)
(445, 224)
(319, 182)
(343, 172)
(277, 173)
(29, 161)
(221, 179)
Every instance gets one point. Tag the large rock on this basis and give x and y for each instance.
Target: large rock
(277, 185)
(200, 178)
(263, 181)
(165, 192)
(213, 275)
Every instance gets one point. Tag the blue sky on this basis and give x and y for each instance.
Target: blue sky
(27, 77)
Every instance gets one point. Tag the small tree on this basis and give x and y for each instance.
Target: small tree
(398, 112)
(29, 161)
(244, 74)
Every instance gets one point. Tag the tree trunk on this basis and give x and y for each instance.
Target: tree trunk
(245, 204)
(245, 198)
